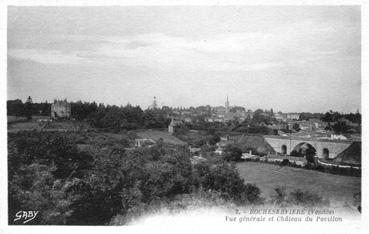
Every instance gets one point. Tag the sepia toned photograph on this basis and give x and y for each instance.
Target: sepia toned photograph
(127, 115)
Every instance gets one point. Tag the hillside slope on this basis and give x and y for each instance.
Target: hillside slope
(351, 155)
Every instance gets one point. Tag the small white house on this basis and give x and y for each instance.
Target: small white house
(338, 137)
(218, 151)
(144, 142)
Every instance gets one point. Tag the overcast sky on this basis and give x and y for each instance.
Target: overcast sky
(304, 58)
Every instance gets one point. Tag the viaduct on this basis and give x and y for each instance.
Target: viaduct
(324, 148)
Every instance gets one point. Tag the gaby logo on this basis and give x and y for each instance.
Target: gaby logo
(25, 216)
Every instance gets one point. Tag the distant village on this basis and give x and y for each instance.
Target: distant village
(304, 125)
(283, 124)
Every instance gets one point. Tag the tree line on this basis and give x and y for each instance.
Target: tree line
(133, 117)
(110, 117)
(18, 108)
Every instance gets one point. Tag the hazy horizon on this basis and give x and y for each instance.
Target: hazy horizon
(291, 59)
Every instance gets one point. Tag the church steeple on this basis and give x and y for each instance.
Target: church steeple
(154, 104)
(227, 104)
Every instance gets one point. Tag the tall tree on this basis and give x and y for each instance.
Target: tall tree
(28, 108)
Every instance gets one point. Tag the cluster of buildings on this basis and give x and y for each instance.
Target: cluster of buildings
(286, 116)
(312, 128)
(227, 113)
(220, 114)
(209, 114)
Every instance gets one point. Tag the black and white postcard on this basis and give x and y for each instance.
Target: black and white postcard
(183, 115)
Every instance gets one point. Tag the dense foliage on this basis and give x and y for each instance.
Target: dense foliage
(253, 129)
(48, 173)
(18, 108)
(224, 179)
(308, 116)
(336, 116)
(232, 153)
(197, 138)
(40, 170)
(297, 197)
(118, 118)
(113, 118)
(264, 117)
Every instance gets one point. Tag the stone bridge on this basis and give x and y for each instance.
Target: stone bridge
(324, 148)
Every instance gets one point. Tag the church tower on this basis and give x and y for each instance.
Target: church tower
(154, 104)
(227, 105)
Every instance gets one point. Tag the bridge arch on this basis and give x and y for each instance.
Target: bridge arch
(284, 149)
(325, 153)
(304, 149)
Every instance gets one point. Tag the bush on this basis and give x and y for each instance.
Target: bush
(37, 189)
(294, 164)
(48, 173)
(41, 168)
(309, 166)
(281, 196)
(306, 198)
(285, 162)
(297, 197)
(232, 153)
(213, 139)
(224, 178)
(124, 180)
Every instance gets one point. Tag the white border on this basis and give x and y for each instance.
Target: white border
(363, 227)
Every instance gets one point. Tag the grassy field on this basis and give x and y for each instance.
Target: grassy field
(338, 189)
(16, 125)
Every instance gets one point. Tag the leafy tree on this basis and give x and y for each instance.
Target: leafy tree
(297, 197)
(15, 108)
(56, 150)
(232, 153)
(340, 127)
(48, 173)
(81, 111)
(41, 167)
(308, 116)
(224, 178)
(213, 139)
(125, 180)
(305, 198)
(28, 108)
(336, 116)
(296, 127)
(262, 117)
(34, 187)
(263, 130)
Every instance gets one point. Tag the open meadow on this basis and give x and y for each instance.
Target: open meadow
(338, 189)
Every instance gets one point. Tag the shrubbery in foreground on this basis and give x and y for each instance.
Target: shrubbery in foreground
(297, 198)
(48, 173)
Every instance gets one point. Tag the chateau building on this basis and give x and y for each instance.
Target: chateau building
(60, 109)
